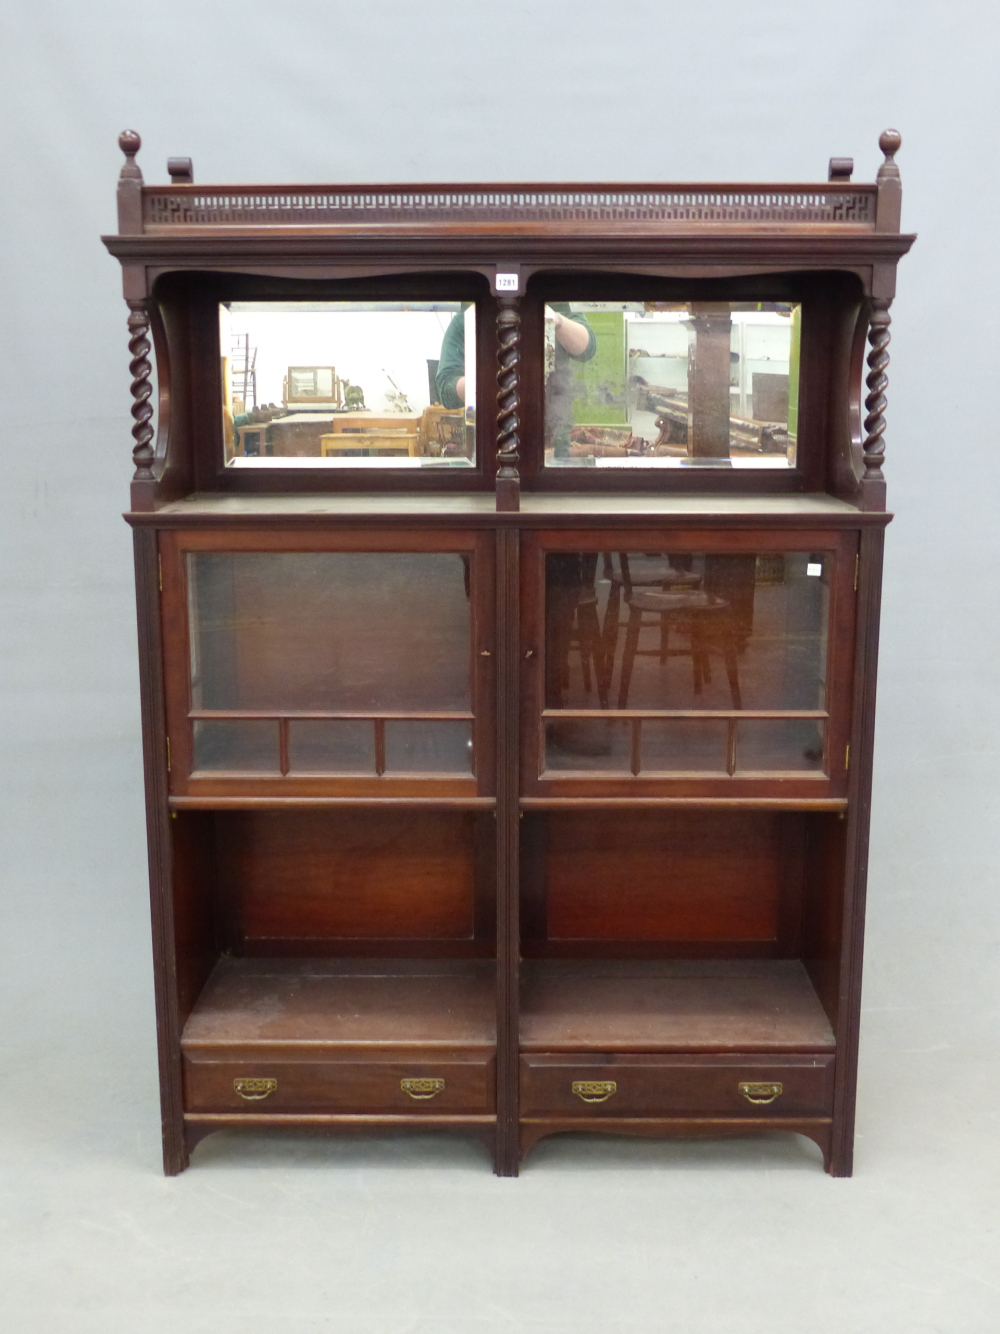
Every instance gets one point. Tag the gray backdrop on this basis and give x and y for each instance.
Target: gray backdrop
(417, 1235)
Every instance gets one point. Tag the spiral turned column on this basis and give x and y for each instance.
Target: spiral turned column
(877, 381)
(508, 423)
(140, 369)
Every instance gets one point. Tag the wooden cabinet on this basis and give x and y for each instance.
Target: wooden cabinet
(515, 781)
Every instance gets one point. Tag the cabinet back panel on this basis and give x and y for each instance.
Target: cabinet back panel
(667, 876)
(327, 875)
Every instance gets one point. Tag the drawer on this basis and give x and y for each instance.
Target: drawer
(731, 1085)
(263, 1084)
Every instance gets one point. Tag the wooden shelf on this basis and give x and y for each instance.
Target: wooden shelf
(758, 1005)
(248, 803)
(345, 1003)
(685, 803)
(537, 508)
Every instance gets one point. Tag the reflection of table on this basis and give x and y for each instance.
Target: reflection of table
(295, 435)
(369, 444)
(371, 435)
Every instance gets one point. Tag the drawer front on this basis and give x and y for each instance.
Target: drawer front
(676, 1086)
(261, 1085)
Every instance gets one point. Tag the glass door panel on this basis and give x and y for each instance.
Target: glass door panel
(357, 666)
(686, 664)
(330, 630)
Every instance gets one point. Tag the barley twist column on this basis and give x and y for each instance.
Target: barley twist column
(508, 424)
(877, 381)
(140, 369)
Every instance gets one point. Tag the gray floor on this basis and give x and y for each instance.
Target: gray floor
(403, 1236)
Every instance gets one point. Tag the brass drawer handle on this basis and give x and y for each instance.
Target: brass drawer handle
(761, 1094)
(255, 1089)
(422, 1088)
(594, 1090)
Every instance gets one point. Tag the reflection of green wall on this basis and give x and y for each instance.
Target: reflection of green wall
(793, 372)
(600, 397)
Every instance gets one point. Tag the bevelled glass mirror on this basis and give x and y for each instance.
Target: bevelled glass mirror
(348, 384)
(658, 384)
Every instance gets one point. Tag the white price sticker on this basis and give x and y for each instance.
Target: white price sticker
(506, 282)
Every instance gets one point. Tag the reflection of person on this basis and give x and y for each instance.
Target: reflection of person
(574, 338)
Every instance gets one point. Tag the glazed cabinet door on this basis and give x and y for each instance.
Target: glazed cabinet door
(711, 664)
(352, 663)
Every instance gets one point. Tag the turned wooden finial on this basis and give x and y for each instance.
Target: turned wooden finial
(889, 141)
(890, 190)
(129, 186)
(130, 143)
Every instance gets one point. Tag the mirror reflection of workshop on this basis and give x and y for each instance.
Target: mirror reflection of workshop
(694, 384)
(346, 384)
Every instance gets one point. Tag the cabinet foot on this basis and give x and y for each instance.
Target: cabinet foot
(176, 1152)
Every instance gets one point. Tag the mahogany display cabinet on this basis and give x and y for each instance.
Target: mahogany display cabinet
(508, 563)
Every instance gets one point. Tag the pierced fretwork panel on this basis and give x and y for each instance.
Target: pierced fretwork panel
(228, 208)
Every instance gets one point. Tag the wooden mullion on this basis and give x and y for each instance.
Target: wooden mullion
(508, 852)
(379, 746)
(636, 745)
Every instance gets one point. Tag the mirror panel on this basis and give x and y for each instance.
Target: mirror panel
(348, 384)
(700, 384)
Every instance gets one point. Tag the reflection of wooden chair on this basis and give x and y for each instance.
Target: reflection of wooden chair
(253, 441)
(587, 638)
(440, 428)
(572, 621)
(707, 621)
(654, 572)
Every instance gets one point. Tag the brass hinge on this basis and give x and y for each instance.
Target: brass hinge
(168, 754)
(159, 567)
(847, 758)
(857, 566)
